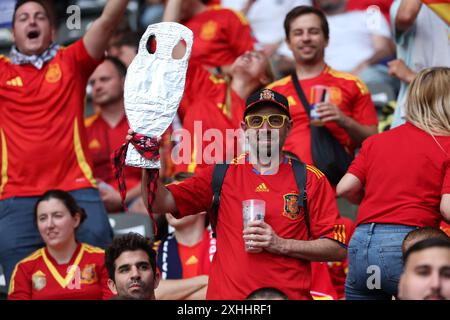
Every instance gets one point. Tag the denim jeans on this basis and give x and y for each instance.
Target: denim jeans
(19, 236)
(375, 261)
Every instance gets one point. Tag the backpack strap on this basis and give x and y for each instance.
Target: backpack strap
(300, 178)
(220, 169)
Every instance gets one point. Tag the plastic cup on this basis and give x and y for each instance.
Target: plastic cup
(252, 210)
(320, 94)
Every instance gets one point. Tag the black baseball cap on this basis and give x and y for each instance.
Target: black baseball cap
(267, 97)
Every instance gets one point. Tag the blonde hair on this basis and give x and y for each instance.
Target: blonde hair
(428, 101)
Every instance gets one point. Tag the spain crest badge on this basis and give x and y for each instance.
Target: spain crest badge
(291, 208)
(39, 281)
(88, 275)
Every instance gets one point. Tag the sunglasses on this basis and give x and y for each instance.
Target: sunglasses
(275, 121)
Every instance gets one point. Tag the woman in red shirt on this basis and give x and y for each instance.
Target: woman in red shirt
(64, 268)
(401, 178)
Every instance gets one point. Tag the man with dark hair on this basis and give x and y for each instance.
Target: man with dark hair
(42, 137)
(105, 131)
(267, 294)
(131, 264)
(421, 234)
(427, 271)
(345, 107)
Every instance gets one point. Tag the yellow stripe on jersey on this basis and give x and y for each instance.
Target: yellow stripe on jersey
(92, 249)
(348, 76)
(279, 83)
(90, 120)
(2, 57)
(35, 255)
(84, 166)
(316, 171)
(339, 233)
(216, 80)
(4, 172)
(63, 282)
(193, 164)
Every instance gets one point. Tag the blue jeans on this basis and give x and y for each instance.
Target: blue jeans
(19, 236)
(375, 261)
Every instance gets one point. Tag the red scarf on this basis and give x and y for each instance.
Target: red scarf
(148, 147)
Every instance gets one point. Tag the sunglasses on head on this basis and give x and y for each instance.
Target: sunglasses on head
(275, 121)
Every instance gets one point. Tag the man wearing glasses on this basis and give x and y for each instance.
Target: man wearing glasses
(279, 249)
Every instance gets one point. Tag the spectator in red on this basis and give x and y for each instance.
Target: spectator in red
(184, 259)
(106, 131)
(220, 35)
(43, 141)
(65, 269)
(401, 178)
(349, 114)
(220, 106)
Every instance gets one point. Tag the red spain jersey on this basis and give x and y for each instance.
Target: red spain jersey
(212, 110)
(102, 142)
(405, 171)
(328, 279)
(235, 273)
(40, 277)
(339, 269)
(42, 135)
(346, 91)
(220, 36)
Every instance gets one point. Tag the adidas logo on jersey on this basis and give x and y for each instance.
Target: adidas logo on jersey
(192, 260)
(262, 188)
(15, 82)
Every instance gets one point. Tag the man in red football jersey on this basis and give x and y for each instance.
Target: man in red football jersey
(349, 113)
(278, 248)
(43, 141)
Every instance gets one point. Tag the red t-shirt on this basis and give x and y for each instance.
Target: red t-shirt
(404, 172)
(346, 91)
(40, 277)
(235, 273)
(42, 136)
(210, 112)
(220, 36)
(102, 142)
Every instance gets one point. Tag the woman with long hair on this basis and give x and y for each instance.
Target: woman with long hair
(401, 178)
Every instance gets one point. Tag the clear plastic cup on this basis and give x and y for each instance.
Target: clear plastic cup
(320, 94)
(253, 209)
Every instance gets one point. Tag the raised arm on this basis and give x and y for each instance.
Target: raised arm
(407, 14)
(97, 37)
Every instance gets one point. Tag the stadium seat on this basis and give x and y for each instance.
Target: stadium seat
(123, 223)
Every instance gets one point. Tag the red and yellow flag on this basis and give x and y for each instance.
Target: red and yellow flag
(441, 8)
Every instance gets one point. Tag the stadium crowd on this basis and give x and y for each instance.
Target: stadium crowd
(350, 99)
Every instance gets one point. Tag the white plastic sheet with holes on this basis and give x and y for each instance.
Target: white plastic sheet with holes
(154, 85)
